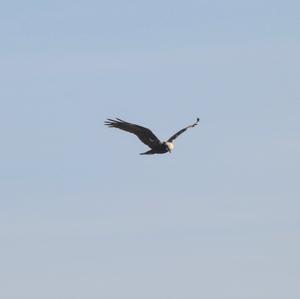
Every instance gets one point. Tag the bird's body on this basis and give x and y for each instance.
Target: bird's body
(147, 137)
(161, 148)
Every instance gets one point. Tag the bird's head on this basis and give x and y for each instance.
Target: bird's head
(169, 146)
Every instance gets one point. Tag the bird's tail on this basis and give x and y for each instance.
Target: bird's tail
(151, 152)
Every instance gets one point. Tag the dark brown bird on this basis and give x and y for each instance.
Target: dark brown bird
(146, 135)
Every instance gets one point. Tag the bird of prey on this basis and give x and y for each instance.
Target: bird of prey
(146, 135)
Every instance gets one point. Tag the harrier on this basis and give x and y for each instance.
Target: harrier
(146, 135)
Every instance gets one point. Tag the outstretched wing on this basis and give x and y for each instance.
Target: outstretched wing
(144, 134)
(183, 130)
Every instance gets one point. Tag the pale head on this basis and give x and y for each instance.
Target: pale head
(170, 146)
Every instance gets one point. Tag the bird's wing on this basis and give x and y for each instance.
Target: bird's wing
(144, 134)
(183, 130)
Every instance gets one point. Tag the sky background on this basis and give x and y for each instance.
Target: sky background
(82, 215)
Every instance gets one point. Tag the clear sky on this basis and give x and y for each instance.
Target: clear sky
(82, 215)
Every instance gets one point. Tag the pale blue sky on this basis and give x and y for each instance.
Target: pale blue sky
(82, 215)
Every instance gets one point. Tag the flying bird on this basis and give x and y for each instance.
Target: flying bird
(147, 136)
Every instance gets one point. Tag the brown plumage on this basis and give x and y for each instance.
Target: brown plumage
(147, 136)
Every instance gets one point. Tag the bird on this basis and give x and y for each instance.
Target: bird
(146, 135)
